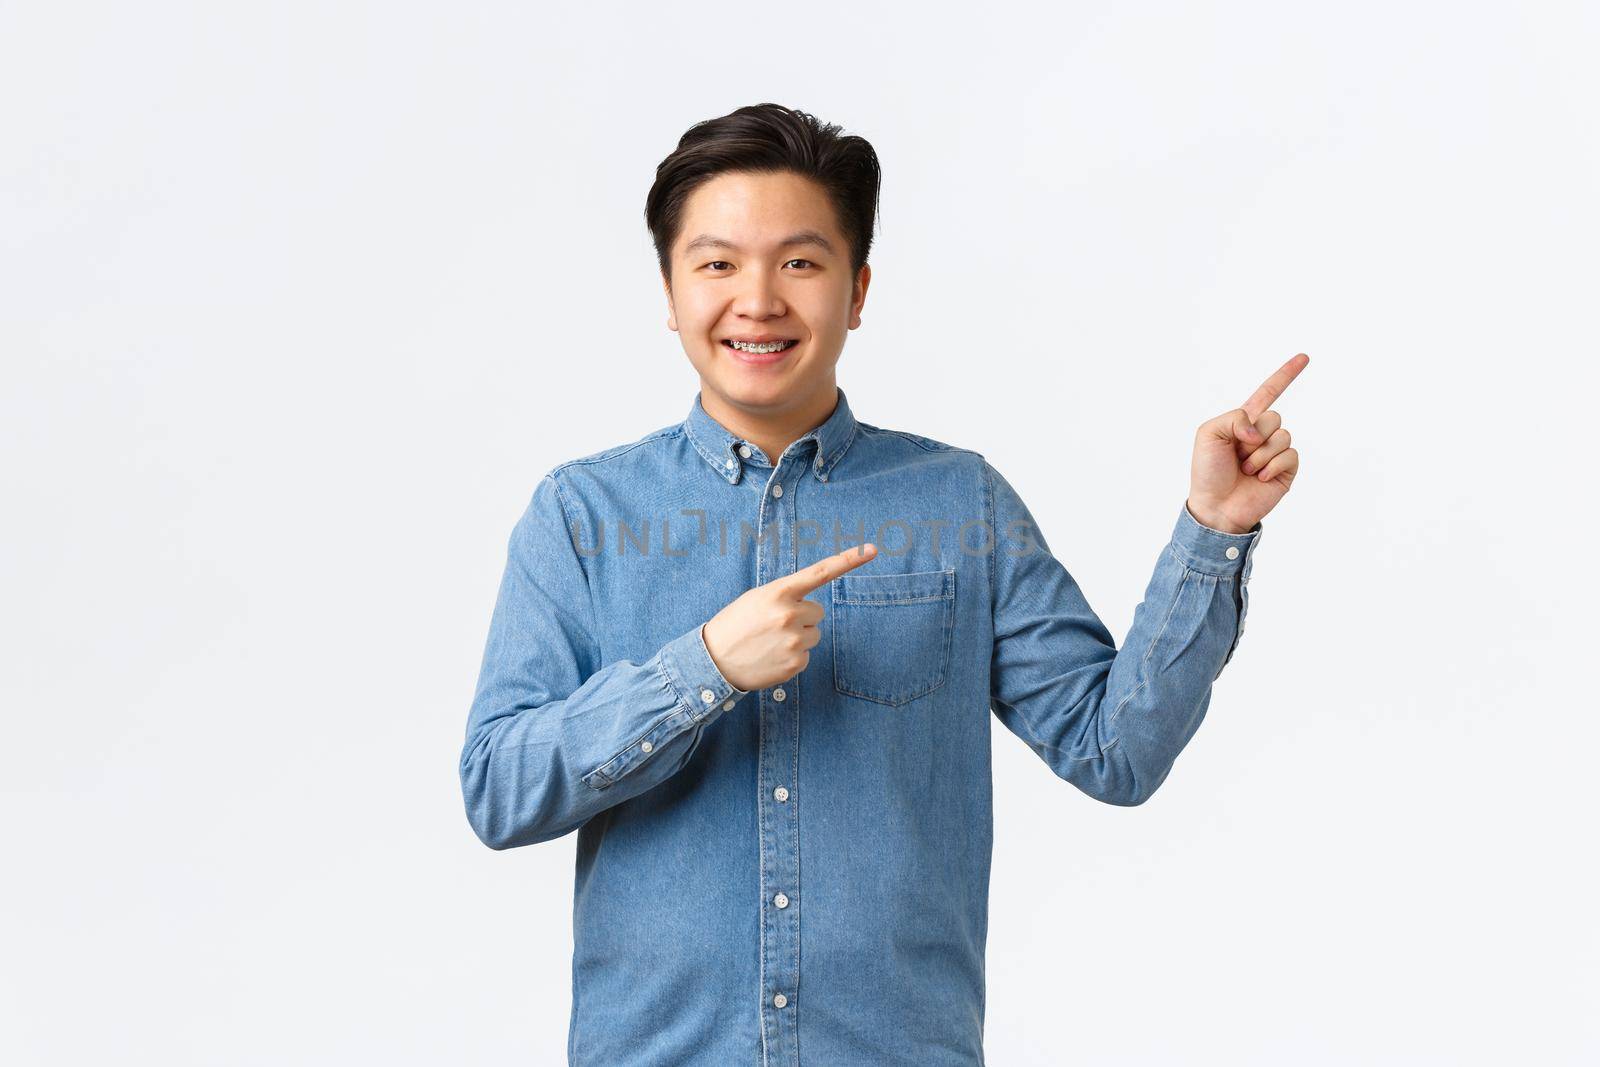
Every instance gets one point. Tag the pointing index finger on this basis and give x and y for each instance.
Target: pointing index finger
(1273, 387)
(826, 570)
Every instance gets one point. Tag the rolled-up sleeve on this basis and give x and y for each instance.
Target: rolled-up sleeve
(1111, 721)
(553, 738)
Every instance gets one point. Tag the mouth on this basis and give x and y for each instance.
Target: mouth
(759, 354)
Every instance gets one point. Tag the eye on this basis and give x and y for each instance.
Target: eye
(807, 262)
(714, 262)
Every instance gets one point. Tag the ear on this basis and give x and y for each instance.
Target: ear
(859, 296)
(672, 312)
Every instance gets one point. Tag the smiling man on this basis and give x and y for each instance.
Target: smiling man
(751, 656)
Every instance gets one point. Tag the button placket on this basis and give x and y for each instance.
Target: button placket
(777, 825)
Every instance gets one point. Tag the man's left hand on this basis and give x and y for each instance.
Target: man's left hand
(1243, 464)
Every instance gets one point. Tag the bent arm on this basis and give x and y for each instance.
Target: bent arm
(552, 739)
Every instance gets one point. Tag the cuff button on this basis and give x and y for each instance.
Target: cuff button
(708, 696)
(1233, 552)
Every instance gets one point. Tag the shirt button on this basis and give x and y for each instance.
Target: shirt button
(779, 695)
(645, 746)
(1233, 552)
(779, 1000)
(777, 489)
(781, 901)
(783, 794)
(708, 696)
(744, 450)
(727, 705)
(731, 464)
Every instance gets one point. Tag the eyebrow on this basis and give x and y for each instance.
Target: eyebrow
(804, 237)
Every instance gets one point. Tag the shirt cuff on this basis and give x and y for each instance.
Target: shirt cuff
(1212, 551)
(694, 676)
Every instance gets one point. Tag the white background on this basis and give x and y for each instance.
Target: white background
(297, 301)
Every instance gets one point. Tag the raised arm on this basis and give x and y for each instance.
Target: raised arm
(1110, 721)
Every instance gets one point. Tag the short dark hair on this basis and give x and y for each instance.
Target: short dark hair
(767, 138)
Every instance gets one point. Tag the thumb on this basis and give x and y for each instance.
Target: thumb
(1236, 425)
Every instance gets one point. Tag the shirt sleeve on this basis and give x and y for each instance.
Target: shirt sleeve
(1111, 721)
(553, 738)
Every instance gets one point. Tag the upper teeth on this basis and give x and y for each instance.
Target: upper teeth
(771, 346)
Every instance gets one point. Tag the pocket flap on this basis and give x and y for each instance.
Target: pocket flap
(894, 588)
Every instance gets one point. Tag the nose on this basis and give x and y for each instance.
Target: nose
(758, 296)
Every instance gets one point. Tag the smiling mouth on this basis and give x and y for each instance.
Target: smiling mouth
(772, 349)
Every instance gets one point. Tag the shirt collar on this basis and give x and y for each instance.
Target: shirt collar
(720, 448)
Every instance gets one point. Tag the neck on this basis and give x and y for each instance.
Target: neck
(772, 429)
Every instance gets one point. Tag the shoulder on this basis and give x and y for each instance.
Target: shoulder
(927, 444)
(618, 455)
(622, 460)
(931, 468)
(917, 448)
(614, 471)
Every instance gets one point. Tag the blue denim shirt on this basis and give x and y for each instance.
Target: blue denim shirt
(799, 875)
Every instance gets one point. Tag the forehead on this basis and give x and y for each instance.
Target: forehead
(756, 211)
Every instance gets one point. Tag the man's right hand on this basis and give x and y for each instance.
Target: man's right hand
(767, 634)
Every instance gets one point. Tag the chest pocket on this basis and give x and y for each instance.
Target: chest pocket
(891, 634)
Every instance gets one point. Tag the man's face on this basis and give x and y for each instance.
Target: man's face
(734, 277)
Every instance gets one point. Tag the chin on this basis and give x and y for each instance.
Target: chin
(760, 393)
